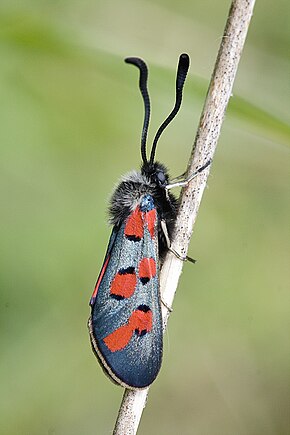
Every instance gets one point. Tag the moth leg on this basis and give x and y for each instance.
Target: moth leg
(177, 255)
(170, 309)
(185, 181)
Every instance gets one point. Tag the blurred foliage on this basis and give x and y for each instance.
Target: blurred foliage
(71, 118)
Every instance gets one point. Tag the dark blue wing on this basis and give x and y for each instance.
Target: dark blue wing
(126, 321)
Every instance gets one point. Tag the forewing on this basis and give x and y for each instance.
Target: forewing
(126, 322)
(105, 264)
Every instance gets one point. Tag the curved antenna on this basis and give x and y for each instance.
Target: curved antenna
(182, 69)
(141, 65)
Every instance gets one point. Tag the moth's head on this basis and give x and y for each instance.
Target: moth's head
(156, 172)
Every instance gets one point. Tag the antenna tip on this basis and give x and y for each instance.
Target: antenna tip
(128, 59)
(137, 61)
(184, 60)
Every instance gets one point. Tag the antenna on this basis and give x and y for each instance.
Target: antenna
(182, 69)
(141, 65)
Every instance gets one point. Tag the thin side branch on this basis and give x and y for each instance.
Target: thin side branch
(212, 116)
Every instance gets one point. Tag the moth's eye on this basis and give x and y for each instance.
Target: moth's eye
(161, 177)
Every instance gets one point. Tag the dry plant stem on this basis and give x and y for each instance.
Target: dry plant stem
(218, 96)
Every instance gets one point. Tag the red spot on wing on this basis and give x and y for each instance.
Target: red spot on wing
(139, 321)
(99, 280)
(118, 339)
(134, 226)
(123, 285)
(150, 219)
(147, 268)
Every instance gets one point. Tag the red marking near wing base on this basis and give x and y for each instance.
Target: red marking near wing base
(150, 219)
(134, 225)
(147, 268)
(100, 279)
(120, 338)
(124, 285)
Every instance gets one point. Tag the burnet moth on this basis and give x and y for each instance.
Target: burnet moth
(126, 324)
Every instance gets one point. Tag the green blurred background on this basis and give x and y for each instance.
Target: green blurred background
(71, 117)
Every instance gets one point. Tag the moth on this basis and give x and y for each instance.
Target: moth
(125, 325)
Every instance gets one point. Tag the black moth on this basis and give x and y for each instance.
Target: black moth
(126, 322)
